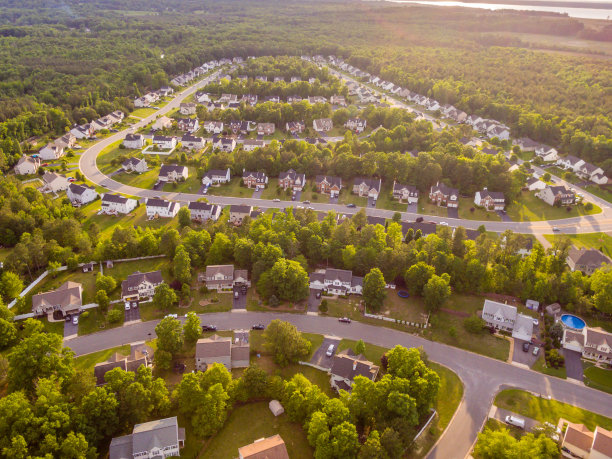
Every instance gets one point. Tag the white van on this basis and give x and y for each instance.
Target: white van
(330, 350)
(514, 421)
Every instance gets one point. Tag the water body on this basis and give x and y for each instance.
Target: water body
(586, 13)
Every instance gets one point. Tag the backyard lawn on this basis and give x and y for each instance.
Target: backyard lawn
(597, 378)
(598, 241)
(191, 185)
(531, 208)
(111, 152)
(138, 217)
(545, 410)
(231, 189)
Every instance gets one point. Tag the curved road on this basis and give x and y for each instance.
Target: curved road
(87, 164)
(482, 376)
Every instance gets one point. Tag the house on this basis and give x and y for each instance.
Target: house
(443, 195)
(164, 142)
(188, 124)
(50, 152)
(292, 179)
(224, 277)
(216, 177)
(225, 144)
(202, 97)
(224, 350)
(317, 100)
(295, 127)
(336, 282)
(592, 344)
(338, 100)
(160, 208)
(490, 200)
(140, 285)
(227, 98)
(88, 267)
(588, 171)
(68, 140)
(134, 165)
(67, 299)
(243, 127)
(293, 99)
(187, 108)
(265, 448)
(166, 91)
(382, 221)
(272, 99)
(425, 228)
(322, 125)
(81, 194)
(534, 184)
(346, 365)
(265, 128)
(369, 187)
(192, 142)
(408, 193)
(356, 125)
(570, 162)
(254, 179)
(202, 211)
(526, 144)
(163, 122)
(27, 165)
(159, 439)
(173, 173)
(547, 153)
(54, 182)
(556, 195)
(117, 204)
(134, 141)
(215, 106)
(507, 318)
(140, 354)
(580, 442)
(328, 185)
(84, 131)
(586, 260)
(252, 144)
(238, 212)
(213, 127)
(250, 99)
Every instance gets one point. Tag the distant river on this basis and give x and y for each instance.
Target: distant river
(587, 13)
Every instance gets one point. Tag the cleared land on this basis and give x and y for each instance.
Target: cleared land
(598, 241)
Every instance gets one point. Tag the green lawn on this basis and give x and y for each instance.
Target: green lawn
(597, 378)
(347, 197)
(531, 208)
(372, 353)
(554, 170)
(526, 155)
(603, 193)
(96, 321)
(88, 361)
(145, 180)
(191, 185)
(540, 366)
(51, 327)
(231, 189)
(427, 208)
(545, 410)
(386, 201)
(111, 152)
(599, 241)
(273, 192)
(465, 204)
(224, 304)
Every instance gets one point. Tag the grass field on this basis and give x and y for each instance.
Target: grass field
(96, 321)
(597, 378)
(231, 189)
(191, 185)
(137, 217)
(347, 197)
(427, 208)
(272, 192)
(601, 192)
(465, 204)
(88, 361)
(572, 178)
(531, 208)
(545, 410)
(103, 161)
(386, 201)
(145, 180)
(598, 241)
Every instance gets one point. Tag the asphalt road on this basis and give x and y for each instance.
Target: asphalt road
(482, 376)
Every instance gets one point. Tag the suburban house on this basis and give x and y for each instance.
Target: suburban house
(163, 122)
(202, 211)
(227, 98)
(356, 125)
(243, 127)
(140, 285)
(589, 172)
(534, 184)
(369, 187)
(164, 142)
(336, 282)
(250, 99)
(222, 349)
(255, 180)
(67, 299)
(490, 200)
(295, 127)
(140, 354)
(328, 185)
(81, 194)
(293, 99)
(134, 165)
(146, 100)
(224, 277)
(592, 344)
(322, 125)
(265, 128)
(225, 144)
(173, 173)
(338, 100)
(580, 442)
(316, 100)
(27, 165)
(187, 108)
(346, 365)
(526, 144)
(54, 182)
(547, 153)
(160, 208)
(238, 212)
(156, 439)
(202, 97)
(134, 141)
(188, 124)
(265, 448)
(216, 177)
(50, 152)
(570, 162)
(408, 193)
(586, 260)
(443, 195)
(556, 195)
(507, 318)
(252, 144)
(84, 131)
(192, 142)
(292, 179)
(117, 204)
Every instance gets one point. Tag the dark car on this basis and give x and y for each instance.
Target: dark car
(258, 327)
(306, 202)
(351, 205)
(209, 328)
(243, 289)
(525, 347)
(419, 219)
(345, 320)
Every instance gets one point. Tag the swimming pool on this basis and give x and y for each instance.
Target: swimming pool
(573, 322)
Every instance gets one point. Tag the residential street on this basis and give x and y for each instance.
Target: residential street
(482, 376)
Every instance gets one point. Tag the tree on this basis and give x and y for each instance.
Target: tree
(546, 177)
(220, 250)
(255, 380)
(436, 291)
(372, 449)
(182, 265)
(474, 324)
(106, 283)
(10, 285)
(53, 268)
(374, 289)
(8, 333)
(601, 284)
(417, 276)
(102, 300)
(99, 409)
(287, 280)
(164, 297)
(114, 316)
(191, 328)
(184, 217)
(360, 347)
(163, 359)
(169, 335)
(323, 306)
(500, 444)
(285, 342)
(391, 442)
(458, 242)
(345, 442)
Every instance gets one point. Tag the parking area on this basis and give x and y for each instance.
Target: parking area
(320, 357)
(503, 215)
(573, 364)
(313, 301)
(298, 195)
(70, 330)
(133, 313)
(500, 414)
(522, 357)
(240, 301)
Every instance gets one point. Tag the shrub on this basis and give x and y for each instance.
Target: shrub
(323, 306)
(588, 206)
(85, 315)
(474, 324)
(115, 316)
(452, 332)
(554, 359)
(273, 301)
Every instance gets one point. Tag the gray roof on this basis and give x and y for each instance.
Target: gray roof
(191, 138)
(134, 137)
(292, 175)
(156, 202)
(216, 173)
(444, 189)
(160, 433)
(226, 270)
(165, 169)
(560, 189)
(316, 277)
(398, 188)
(348, 365)
(376, 220)
(195, 205)
(215, 346)
(495, 195)
(79, 189)
(258, 176)
(243, 209)
(114, 198)
(121, 448)
(135, 279)
(133, 160)
(500, 309)
(425, 227)
(343, 275)
(332, 180)
(587, 257)
(371, 183)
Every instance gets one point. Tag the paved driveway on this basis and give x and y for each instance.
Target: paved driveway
(333, 200)
(70, 330)
(573, 364)
(520, 356)
(158, 186)
(371, 202)
(412, 208)
(313, 301)
(452, 212)
(320, 358)
(132, 314)
(503, 215)
(240, 302)
(298, 195)
(257, 194)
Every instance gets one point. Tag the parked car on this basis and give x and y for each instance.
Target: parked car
(75, 320)
(351, 205)
(127, 305)
(345, 320)
(443, 224)
(555, 229)
(236, 294)
(134, 304)
(243, 289)
(172, 316)
(68, 318)
(536, 322)
(209, 328)
(525, 347)
(276, 200)
(419, 219)
(330, 350)
(536, 349)
(258, 327)
(306, 202)
(318, 295)
(515, 421)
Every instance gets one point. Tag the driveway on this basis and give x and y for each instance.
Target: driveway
(503, 215)
(240, 302)
(573, 364)
(257, 194)
(70, 330)
(452, 212)
(313, 301)
(298, 195)
(132, 314)
(371, 202)
(500, 414)
(412, 208)
(333, 200)
(158, 186)
(522, 357)
(203, 190)
(319, 358)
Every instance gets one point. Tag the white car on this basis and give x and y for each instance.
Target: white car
(127, 306)
(443, 223)
(75, 320)
(276, 200)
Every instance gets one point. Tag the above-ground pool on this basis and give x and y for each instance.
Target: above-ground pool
(573, 322)
(403, 293)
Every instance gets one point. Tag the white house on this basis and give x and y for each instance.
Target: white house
(225, 143)
(357, 125)
(188, 124)
(534, 184)
(161, 439)
(588, 171)
(216, 177)
(592, 344)
(336, 282)
(490, 200)
(213, 127)
(116, 204)
(173, 173)
(140, 285)
(187, 108)
(192, 142)
(164, 142)
(369, 187)
(163, 122)
(161, 208)
(323, 125)
(547, 153)
(84, 131)
(27, 165)
(54, 182)
(134, 141)
(81, 194)
(252, 144)
(202, 97)
(506, 318)
(50, 152)
(134, 165)
(552, 195)
(408, 193)
(570, 162)
(202, 211)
